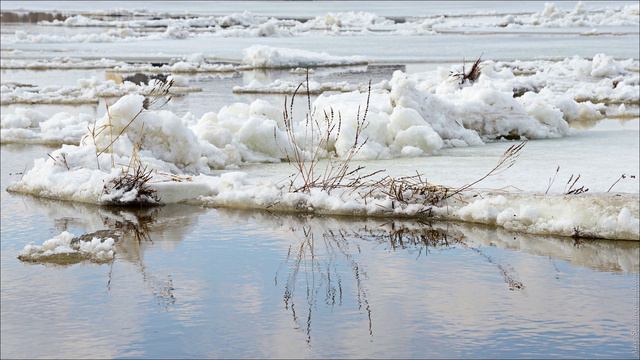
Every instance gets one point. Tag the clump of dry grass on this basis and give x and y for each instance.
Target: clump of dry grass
(136, 180)
(336, 173)
(571, 187)
(417, 190)
(134, 175)
(471, 76)
(60, 159)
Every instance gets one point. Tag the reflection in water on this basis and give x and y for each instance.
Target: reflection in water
(322, 250)
(237, 282)
(134, 230)
(325, 248)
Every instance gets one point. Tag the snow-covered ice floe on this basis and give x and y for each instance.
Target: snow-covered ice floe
(59, 63)
(66, 248)
(26, 125)
(88, 91)
(181, 164)
(601, 79)
(261, 56)
(410, 115)
(290, 87)
(552, 16)
(194, 63)
(583, 17)
(613, 216)
(603, 215)
(255, 57)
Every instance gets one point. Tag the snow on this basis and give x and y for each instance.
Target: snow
(603, 215)
(336, 23)
(111, 35)
(190, 64)
(87, 91)
(518, 99)
(193, 65)
(552, 16)
(260, 56)
(613, 216)
(25, 125)
(66, 246)
(59, 63)
(182, 161)
(289, 87)
(599, 80)
(410, 115)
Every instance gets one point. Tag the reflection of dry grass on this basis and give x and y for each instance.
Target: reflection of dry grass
(402, 237)
(135, 227)
(322, 279)
(506, 271)
(315, 263)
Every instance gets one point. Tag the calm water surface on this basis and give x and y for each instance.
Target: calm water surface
(193, 282)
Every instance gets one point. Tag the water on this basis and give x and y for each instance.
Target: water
(194, 282)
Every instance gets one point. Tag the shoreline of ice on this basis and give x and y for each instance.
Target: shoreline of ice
(185, 174)
(590, 215)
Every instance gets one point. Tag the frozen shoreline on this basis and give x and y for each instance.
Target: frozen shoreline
(184, 174)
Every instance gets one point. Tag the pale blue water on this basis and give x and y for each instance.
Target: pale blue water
(222, 283)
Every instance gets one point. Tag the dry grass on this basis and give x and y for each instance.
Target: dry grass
(305, 154)
(468, 76)
(622, 177)
(571, 187)
(135, 179)
(60, 159)
(343, 174)
(134, 175)
(417, 190)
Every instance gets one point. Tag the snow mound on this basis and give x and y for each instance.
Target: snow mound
(29, 126)
(65, 248)
(611, 216)
(261, 56)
